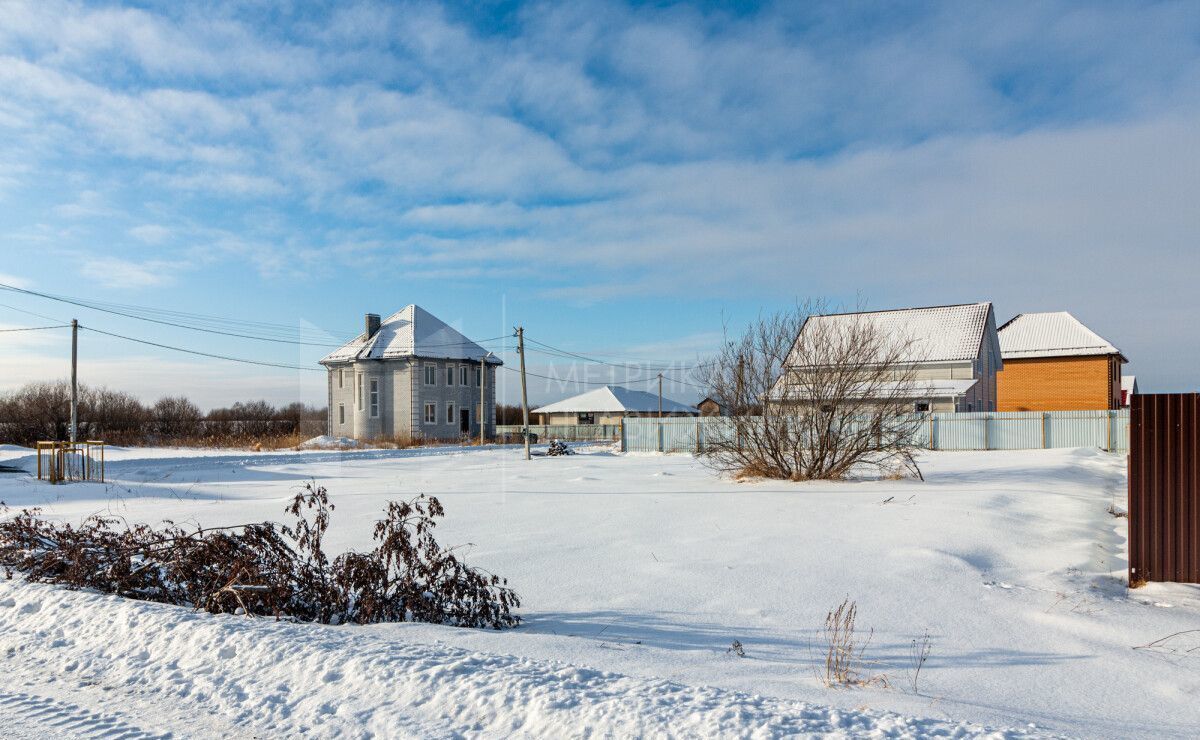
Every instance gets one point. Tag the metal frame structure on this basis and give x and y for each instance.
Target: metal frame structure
(61, 462)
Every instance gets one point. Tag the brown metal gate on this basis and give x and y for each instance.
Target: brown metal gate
(1164, 488)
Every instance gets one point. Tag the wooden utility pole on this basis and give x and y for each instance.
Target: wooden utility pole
(741, 369)
(74, 379)
(482, 402)
(524, 393)
(660, 428)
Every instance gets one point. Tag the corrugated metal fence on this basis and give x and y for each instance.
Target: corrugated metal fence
(1164, 488)
(1107, 430)
(565, 432)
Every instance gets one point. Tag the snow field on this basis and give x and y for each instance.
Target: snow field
(636, 573)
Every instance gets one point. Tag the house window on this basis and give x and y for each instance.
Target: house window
(449, 413)
(359, 392)
(449, 375)
(586, 419)
(341, 377)
(431, 375)
(462, 374)
(477, 376)
(341, 413)
(374, 398)
(431, 413)
(921, 407)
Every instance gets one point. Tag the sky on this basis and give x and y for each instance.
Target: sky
(626, 181)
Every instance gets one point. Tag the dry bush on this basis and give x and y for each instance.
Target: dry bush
(268, 568)
(814, 399)
(918, 653)
(844, 648)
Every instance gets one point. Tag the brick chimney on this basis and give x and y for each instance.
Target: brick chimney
(372, 324)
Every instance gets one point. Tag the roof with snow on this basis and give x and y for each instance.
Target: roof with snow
(615, 399)
(411, 332)
(935, 333)
(1051, 334)
(917, 388)
(1129, 384)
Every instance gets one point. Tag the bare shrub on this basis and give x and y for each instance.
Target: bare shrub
(918, 653)
(809, 398)
(267, 568)
(844, 647)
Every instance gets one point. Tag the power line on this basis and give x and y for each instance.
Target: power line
(93, 307)
(31, 313)
(202, 354)
(603, 382)
(38, 328)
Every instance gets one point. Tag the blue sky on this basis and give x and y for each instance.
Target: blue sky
(620, 179)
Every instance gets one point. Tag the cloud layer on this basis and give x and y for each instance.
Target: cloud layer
(1043, 155)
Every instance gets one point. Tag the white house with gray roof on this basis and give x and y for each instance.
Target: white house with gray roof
(410, 375)
(954, 350)
(608, 405)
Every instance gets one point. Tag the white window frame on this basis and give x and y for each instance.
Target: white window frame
(450, 376)
(430, 418)
(341, 377)
(450, 413)
(927, 404)
(478, 376)
(358, 384)
(463, 380)
(373, 396)
(430, 370)
(341, 414)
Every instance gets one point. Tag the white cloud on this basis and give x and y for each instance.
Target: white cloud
(16, 281)
(113, 272)
(152, 234)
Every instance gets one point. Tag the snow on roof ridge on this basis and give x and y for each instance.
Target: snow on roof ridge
(411, 332)
(952, 332)
(619, 398)
(1051, 334)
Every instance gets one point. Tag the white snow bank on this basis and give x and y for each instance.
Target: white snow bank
(300, 679)
(326, 442)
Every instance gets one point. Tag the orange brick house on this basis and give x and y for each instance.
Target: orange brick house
(1052, 362)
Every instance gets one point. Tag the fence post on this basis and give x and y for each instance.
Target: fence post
(987, 428)
(1045, 421)
(1108, 424)
(624, 444)
(697, 435)
(930, 412)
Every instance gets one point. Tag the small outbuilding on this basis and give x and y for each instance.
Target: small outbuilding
(1129, 388)
(1052, 362)
(709, 407)
(608, 405)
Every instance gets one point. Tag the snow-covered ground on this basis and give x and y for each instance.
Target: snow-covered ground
(637, 572)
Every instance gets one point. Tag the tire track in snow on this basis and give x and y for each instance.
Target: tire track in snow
(29, 716)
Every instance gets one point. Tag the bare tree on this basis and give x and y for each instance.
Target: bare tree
(176, 417)
(812, 396)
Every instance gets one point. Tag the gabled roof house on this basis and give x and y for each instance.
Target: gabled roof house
(953, 349)
(608, 405)
(410, 375)
(1052, 362)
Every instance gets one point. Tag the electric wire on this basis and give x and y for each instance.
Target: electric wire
(201, 354)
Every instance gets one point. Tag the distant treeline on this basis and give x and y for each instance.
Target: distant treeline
(42, 411)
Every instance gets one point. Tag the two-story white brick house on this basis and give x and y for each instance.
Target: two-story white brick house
(410, 375)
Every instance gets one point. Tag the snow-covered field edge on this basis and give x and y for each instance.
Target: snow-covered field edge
(289, 679)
